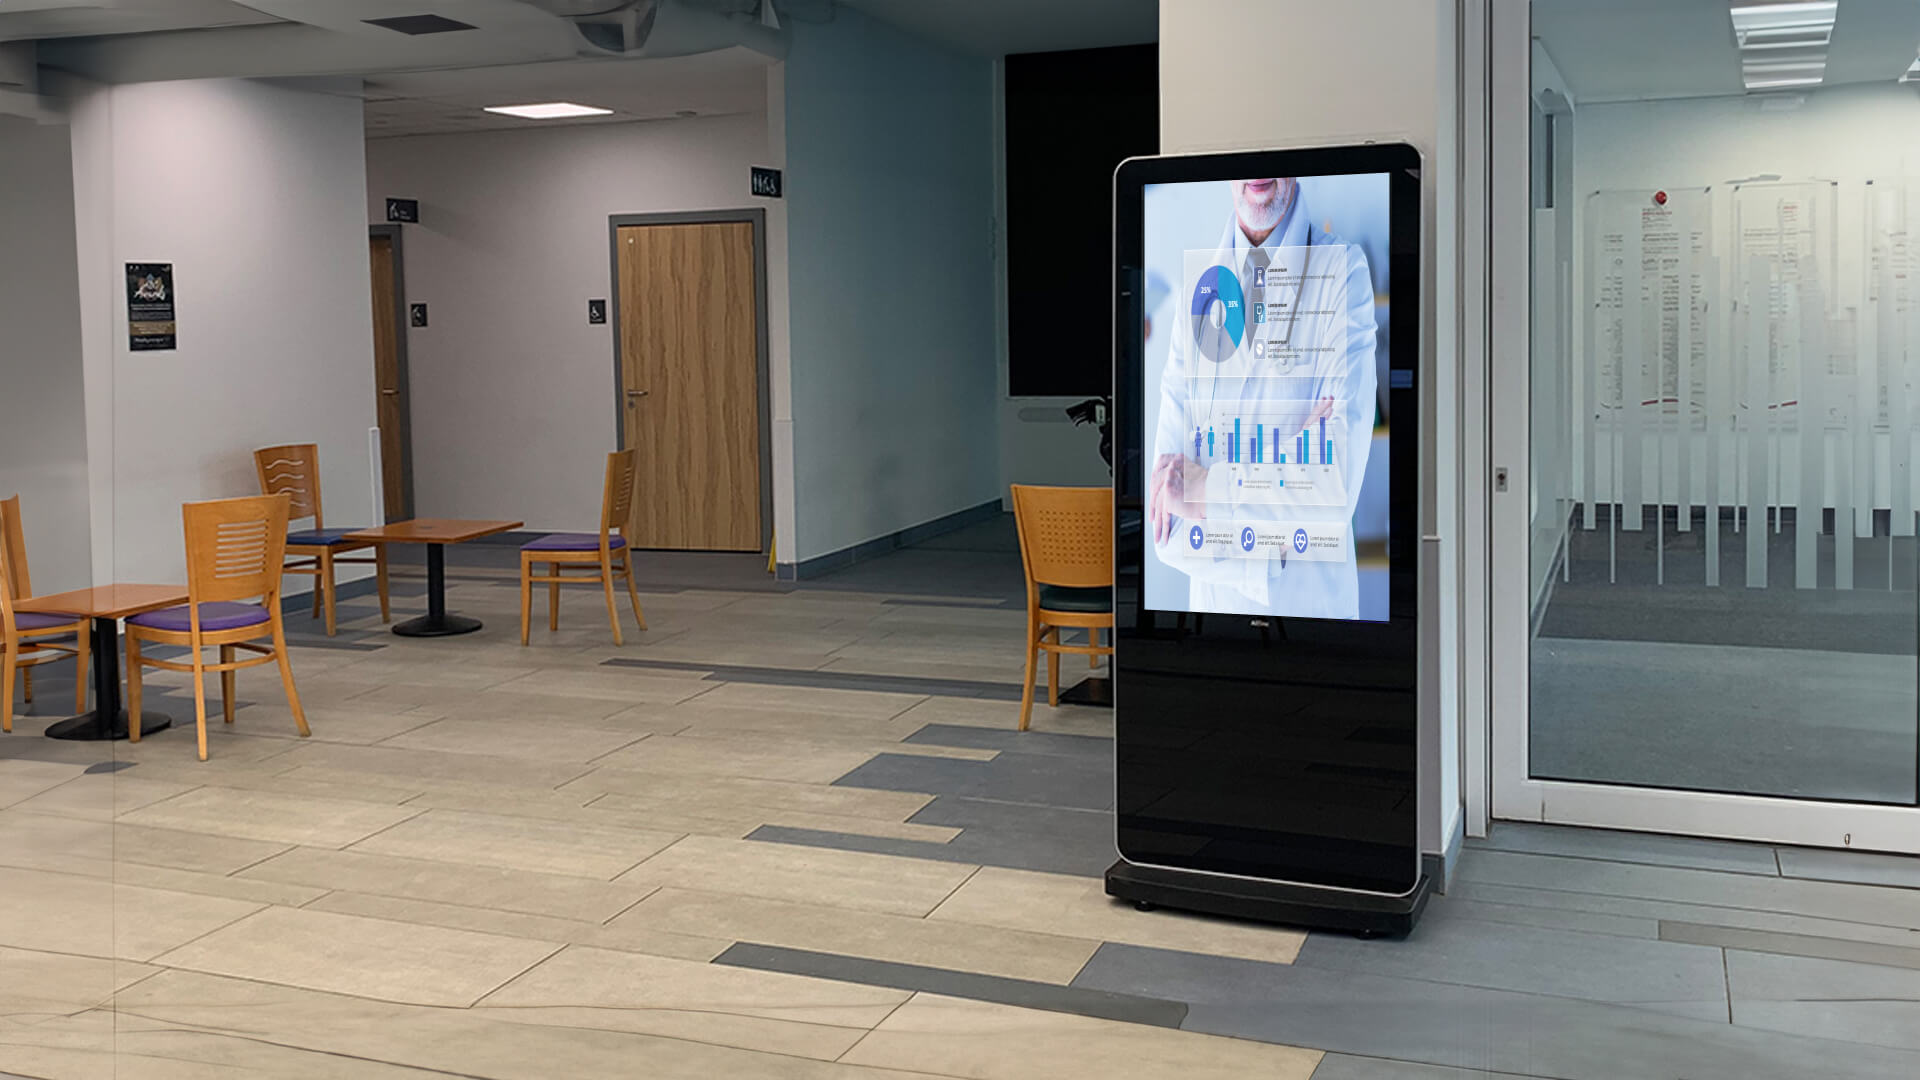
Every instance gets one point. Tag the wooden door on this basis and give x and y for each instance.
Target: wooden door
(690, 384)
(389, 381)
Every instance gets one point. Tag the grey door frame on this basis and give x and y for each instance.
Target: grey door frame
(401, 372)
(757, 217)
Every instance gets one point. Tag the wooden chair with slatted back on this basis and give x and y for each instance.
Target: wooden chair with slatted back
(1066, 548)
(28, 638)
(235, 551)
(607, 551)
(294, 471)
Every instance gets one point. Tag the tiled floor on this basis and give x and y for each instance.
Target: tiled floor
(793, 834)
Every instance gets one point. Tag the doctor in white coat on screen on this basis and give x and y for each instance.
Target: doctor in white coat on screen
(1182, 489)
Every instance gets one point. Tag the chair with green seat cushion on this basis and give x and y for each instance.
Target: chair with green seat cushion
(1066, 548)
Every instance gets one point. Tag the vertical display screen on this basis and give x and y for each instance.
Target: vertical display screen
(1267, 478)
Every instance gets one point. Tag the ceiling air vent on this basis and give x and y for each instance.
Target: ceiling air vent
(420, 24)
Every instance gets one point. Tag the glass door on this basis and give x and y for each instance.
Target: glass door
(1706, 330)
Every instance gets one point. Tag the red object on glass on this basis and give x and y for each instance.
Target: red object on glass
(1660, 198)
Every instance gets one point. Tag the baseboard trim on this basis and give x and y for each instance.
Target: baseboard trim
(1440, 866)
(821, 565)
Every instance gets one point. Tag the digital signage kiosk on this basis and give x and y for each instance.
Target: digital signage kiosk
(1267, 337)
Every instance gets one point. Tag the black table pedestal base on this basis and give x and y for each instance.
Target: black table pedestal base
(87, 727)
(441, 625)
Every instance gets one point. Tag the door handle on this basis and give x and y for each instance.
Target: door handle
(391, 393)
(636, 393)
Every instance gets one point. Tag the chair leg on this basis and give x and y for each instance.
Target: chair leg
(633, 593)
(1093, 639)
(286, 678)
(8, 658)
(380, 581)
(1053, 669)
(316, 588)
(613, 613)
(82, 660)
(133, 688)
(226, 684)
(26, 685)
(199, 699)
(326, 584)
(1026, 691)
(526, 598)
(553, 597)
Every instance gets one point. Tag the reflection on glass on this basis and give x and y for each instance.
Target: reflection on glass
(1723, 325)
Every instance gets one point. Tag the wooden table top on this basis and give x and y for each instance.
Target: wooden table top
(107, 601)
(433, 531)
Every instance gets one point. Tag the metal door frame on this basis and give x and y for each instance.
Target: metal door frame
(401, 372)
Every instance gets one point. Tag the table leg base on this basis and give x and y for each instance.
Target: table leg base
(1095, 691)
(86, 727)
(436, 626)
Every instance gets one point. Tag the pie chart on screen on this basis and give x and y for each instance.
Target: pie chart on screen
(1219, 311)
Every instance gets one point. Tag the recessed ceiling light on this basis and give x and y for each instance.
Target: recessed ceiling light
(550, 110)
(1912, 74)
(1783, 42)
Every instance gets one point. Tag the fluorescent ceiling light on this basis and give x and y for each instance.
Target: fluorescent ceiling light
(550, 110)
(1783, 44)
(1912, 73)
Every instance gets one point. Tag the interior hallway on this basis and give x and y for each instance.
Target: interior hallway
(791, 832)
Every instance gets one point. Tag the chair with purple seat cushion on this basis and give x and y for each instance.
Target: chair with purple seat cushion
(29, 638)
(294, 471)
(236, 550)
(606, 551)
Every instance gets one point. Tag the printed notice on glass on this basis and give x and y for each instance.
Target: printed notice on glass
(150, 322)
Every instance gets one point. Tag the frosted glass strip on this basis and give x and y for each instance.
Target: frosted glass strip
(1683, 381)
(1630, 480)
(1718, 357)
(1758, 278)
(1810, 307)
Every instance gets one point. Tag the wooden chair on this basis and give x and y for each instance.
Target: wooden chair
(28, 638)
(601, 551)
(235, 552)
(294, 471)
(1066, 547)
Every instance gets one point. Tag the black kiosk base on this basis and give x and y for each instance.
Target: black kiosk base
(1367, 915)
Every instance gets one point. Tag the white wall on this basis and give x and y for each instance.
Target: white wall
(890, 181)
(257, 195)
(1393, 64)
(514, 394)
(43, 448)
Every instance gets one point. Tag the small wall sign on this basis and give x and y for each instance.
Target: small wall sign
(405, 211)
(417, 314)
(766, 182)
(150, 321)
(596, 311)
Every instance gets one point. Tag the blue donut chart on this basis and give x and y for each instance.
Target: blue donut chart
(1218, 285)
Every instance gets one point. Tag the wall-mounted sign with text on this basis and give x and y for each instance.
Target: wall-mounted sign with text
(150, 322)
(766, 182)
(404, 211)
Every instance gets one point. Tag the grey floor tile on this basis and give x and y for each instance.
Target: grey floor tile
(966, 984)
(1054, 853)
(1685, 980)
(1350, 1067)
(1644, 848)
(833, 680)
(1834, 999)
(1090, 747)
(1864, 868)
(1560, 900)
(1591, 922)
(1011, 777)
(1471, 1028)
(1807, 945)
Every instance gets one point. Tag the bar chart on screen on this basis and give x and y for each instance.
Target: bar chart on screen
(1283, 456)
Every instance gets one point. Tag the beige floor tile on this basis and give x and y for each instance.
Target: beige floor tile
(63, 845)
(557, 895)
(226, 744)
(265, 815)
(164, 1052)
(979, 712)
(987, 1041)
(91, 917)
(798, 741)
(336, 723)
(445, 671)
(425, 766)
(349, 954)
(1055, 903)
(461, 1041)
(530, 927)
(515, 739)
(1014, 954)
(203, 853)
(21, 779)
(499, 705)
(709, 1003)
(713, 795)
(518, 843)
(747, 818)
(33, 982)
(233, 888)
(625, 685)
(747, 757)
(101, 796)
(873, 704)
(848, 879)
(704, 714)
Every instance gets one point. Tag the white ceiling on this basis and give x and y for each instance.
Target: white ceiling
(1633, 50)
(22, 19)
(721, 83)
(995, 27)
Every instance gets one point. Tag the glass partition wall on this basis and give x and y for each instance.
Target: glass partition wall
(1705, 606)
